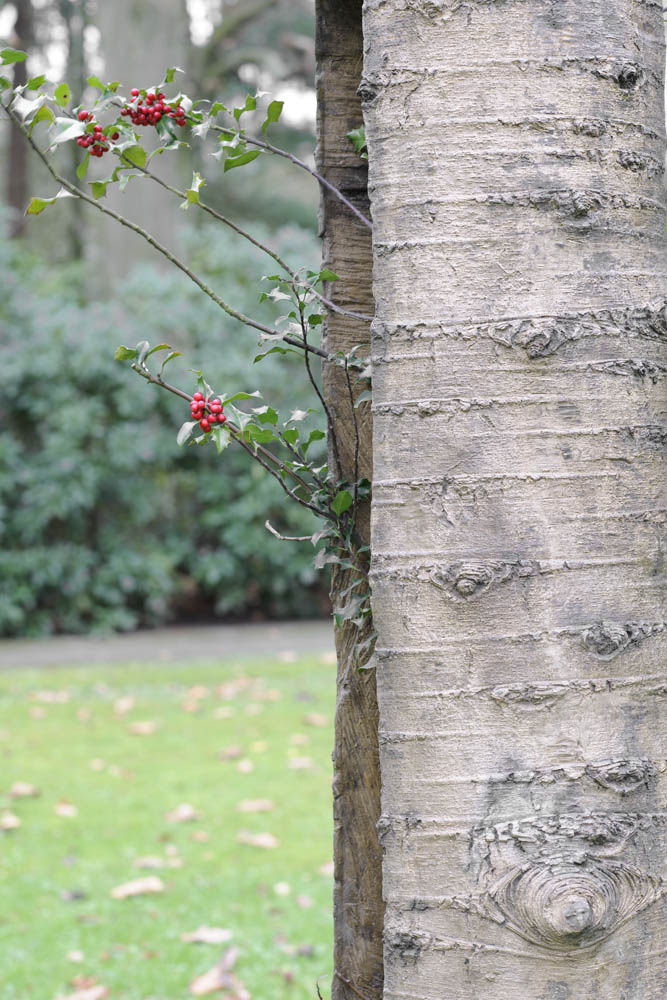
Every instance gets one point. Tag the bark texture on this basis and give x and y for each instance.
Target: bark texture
(516, 152)
(358, 907)
(17, 171)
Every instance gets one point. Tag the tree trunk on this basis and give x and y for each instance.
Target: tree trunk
(358, 907)
(17, 172)
(516, 152)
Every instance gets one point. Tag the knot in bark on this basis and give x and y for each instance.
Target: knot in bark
(606, 638)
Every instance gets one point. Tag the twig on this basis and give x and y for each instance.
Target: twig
(286, 538)
(78, 193)
(304, 166)
(349, 985)
(313, 382)
(356, 444)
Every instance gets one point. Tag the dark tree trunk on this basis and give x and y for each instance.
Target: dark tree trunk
(358, 906)
(17, 180)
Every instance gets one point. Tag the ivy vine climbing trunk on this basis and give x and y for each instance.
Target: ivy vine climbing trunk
(518, 574)
(358, 907)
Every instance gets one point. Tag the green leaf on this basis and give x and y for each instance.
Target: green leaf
(136, 155)
(143, 347)
(185, 432)
(216, 108)
(35, 82)
(170, 357)
(5, 84)
(82, 169)
(37, 205)
(274, 350)
(266, 415)
(221, 437)
(72, 130)
(44, 114)
(99, 189)
(124, 353)
(315, 435)
(327, 275)
(95, 81)
(341, 502)
(159, 347)
(171, 72)
(273, 113)
(260, 435)
(12, 56)
(62, 95)
(358, 139)
(192, 193)
(298, 415)
(239, 161)
(250, 105)
(241, 395)
(291, 435)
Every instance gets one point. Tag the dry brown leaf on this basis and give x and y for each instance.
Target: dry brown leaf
(201, 836)
(183, 813)
(171, 850)
(145, 727)
(9, 821)
(138, 887)
(265, 840)
(256, 806)
(315, 719)
(198, 692)
(23, 790)
(208, 935)
(327, 868)
(223, 712)
(123, 705)
(66, 809)
(49, 697)
(299, 763)
(86, 988)
(220, 977)
(271, 695)
(152, 861)
(230, 753)
(37, 712)
(191, 705)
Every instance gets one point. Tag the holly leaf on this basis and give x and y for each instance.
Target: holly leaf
(239, 161)
(10, 55)
(44, 114)
(273, 113)
(125, 353)
(185, 432)
(62, 95)
(99, 189)
(35, 82)
(37, 205)
(221, 437)
(250, 105)
(266, 415)
(135, 154)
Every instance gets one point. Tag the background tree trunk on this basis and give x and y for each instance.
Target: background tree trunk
(516, 154)
(358, 907)
(17, 168)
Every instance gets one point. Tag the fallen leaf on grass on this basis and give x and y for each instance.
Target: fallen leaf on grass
(315, 719)
(66, 809)
(198, 692)
(201, 836)
(271, 695)
(230, 753)
(143, 728)
(304, 902)
(98, 992)
(49, 697)
(265, 840)
(123, 705)
(75, 956)
(138, 887)
(9, 821)
(183, 813)
(299, 763)
(327, 868)
(191, 705)
(256, 806)
(149, 862)
(245, 766)
(37, 712)
(97, 764)
(208, 935)
(223, 712)
(220, 977)
(23, 790)
(282, 889)
(84, 714)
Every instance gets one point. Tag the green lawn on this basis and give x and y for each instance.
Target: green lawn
(72, 734)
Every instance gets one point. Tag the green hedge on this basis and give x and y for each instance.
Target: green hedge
(105, 523)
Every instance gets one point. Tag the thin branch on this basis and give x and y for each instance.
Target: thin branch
(286, 538)
(313, 382)
(349, 985)
(74, 190)
(304, 166)
(356, 443)
(246, 236)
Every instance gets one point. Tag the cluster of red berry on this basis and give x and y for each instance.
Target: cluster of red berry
(99, 142)
(207, 412)
(153, 110)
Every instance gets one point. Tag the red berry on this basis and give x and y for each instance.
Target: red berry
(205, 425)
(83, 116)
(114, 135)
(150, 97)
(157, 116)
(134, 92)
(160, 96)
(197, 396)
(221, 418)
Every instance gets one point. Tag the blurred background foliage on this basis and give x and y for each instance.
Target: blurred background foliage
(104, 522)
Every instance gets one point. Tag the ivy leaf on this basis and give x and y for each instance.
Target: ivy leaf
(10, 55)
(125, 353)
(341, 502)
(273, 113)
(239, 161)
(185, 432)
(62, 95)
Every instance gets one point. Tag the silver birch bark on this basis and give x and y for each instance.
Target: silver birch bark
(516, 152)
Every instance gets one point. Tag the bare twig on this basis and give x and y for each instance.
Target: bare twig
(327, 411)
(286, 538)
(78, 193)
(356, 443)
(349, 985)
(304, 166)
